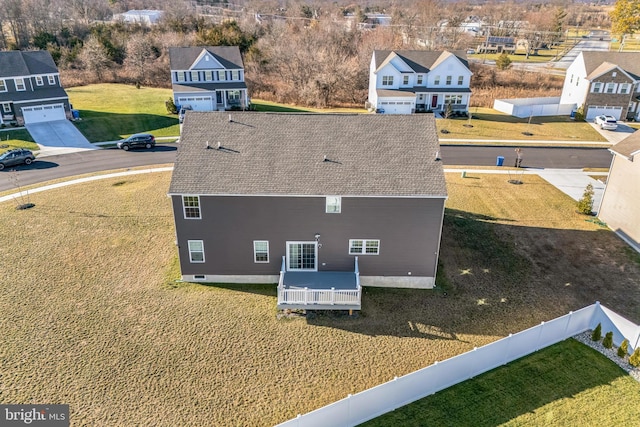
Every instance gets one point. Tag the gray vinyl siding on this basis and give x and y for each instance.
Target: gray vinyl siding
(408, 230)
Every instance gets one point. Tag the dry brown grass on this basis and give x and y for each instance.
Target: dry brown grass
(92, 316)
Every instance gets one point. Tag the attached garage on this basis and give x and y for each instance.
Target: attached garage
(197, 103)
(597, 110)
(43, 113)
(396, 107)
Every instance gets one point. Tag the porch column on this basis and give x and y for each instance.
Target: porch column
(224, 99)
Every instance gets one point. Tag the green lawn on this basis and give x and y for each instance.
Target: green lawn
(113, 111)
(567, 384)
(261, 105)
(488, 123)
(19, 138)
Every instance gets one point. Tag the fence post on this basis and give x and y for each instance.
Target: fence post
(506, 353)
(349, 408)
(333, 295)
(539, 336)
(470, 374)
(306, 294)
(566, 327)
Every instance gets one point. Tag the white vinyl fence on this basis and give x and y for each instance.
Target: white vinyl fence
(533, 107)
(371, 403)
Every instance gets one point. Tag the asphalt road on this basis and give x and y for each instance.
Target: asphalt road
(66, 165)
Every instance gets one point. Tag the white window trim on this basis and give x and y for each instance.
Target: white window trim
(39, 81)
(184, 207)
(221, 75)
(436, 81)
(613, 87)
(625, 86)
(448, 81)
(24, 86)
(181, 76)
(255, 252)
(4, 85)
(288, 256)
(196, 74)
(387, 80)
(364, 246)
(419, 79)
(191, 251)
(51, 79)
(405, 80)
(333, 208)
(460, 80)
(595, 88)
(208, 75)
(6, 107)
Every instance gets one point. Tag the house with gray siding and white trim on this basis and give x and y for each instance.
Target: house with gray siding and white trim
(208, 78)
(30, 88)
(321, 204)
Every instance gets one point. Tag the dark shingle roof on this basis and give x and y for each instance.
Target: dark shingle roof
(628, 147)
(283, 154)
(181, 58)
(421, 61)
(15, 63)
(628, 61)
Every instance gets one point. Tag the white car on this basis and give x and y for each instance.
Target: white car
(606, 122)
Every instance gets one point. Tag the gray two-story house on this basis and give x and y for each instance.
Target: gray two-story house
(208, 78)
(30, 89)
(321, 204)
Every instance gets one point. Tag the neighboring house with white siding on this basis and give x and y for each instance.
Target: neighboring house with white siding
(620, 206)
(30, 88)
(208, 78)
(603, 82)
(409, 81)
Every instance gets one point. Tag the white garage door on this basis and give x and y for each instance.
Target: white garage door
(595, 110)
(43, 113)
(396, 107)
(197, 103)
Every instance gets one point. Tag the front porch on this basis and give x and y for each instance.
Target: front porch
(319, 290)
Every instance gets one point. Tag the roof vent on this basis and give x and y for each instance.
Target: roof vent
(219, 146)
(325, 158)
(438, 156)
(230, 120)
(208, 145)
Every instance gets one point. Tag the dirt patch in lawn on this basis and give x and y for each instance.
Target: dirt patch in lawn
(92, 314)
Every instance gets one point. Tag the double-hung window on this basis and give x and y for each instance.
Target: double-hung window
(191, 207)
(405, 80)
(3, 86)
(180, 76)
(195, 76)
(624, 88)
(235, 75)
(364, 247)
(333, 204)
(419, 79)
(196, 251)
(208, 75)
(20, 84)
(387, 80)
(221, 75)
(51, 79)
(596, 87)
(39, 81)
(6, 108)
(448, 81)
(610, 88)
(261, 251)
(436, 80)
(460, 80)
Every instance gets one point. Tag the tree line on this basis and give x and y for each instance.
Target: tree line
(312, 53)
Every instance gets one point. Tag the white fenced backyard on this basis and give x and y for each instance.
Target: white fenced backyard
(533, 107)
(400, 391)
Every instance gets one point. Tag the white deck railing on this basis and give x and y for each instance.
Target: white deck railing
(330, 296)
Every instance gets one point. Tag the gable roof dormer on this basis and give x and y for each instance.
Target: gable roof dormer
(418, 61)
(607, 67)
(205, 57)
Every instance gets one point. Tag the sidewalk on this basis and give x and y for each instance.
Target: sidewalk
(444, 141)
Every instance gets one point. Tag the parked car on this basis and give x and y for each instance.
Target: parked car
(18, 156)
(138, 140)
(471, 51)
(606, 122)
(183, 110)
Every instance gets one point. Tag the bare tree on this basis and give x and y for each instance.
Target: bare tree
(94, 57)
(139, 54)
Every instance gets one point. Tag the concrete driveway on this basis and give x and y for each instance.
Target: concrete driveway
(58, 137)
(615, 136)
